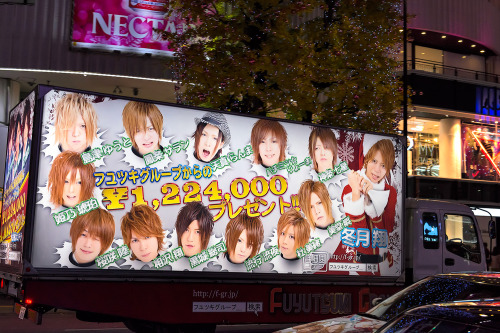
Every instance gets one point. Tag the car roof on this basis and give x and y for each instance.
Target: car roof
(484, 313)
(491, 278)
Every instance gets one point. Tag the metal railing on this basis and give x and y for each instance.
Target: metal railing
(438, 68)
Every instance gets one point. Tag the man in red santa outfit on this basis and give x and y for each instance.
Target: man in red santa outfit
(370, 202)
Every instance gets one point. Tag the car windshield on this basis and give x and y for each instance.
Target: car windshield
(432, 290)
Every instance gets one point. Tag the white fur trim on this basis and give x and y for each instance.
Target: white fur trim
(377, 197)
(354, 207)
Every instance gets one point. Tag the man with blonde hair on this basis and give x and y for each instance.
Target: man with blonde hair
(76, 123)
(143, 123)
(315, 202)
(293, 232)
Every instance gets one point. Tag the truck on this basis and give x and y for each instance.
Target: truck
(175, 219)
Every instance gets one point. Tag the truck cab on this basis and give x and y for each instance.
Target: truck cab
(441, 237)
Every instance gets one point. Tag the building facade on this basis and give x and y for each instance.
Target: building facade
(453, 72)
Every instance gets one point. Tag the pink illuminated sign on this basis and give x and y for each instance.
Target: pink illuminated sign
(131, 26)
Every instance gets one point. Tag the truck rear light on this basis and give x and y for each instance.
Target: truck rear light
(29, 301)
(1, 284)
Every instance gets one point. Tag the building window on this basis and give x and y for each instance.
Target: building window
(481, 152)
(423, 158)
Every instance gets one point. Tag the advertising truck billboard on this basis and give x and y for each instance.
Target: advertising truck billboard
(133, 186)
(16, 183)
(131, 26)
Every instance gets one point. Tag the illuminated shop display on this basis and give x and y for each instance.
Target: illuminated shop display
(481, 151)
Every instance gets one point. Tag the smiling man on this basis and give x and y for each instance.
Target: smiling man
(268, 140)
(91, 235)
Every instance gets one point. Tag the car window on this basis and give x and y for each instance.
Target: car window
(430, 290)
(461, 237)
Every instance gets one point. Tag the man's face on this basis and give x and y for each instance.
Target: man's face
(145, 248)
(87, 248)
(323, 156)
(71, 190)
(375, 169)
(287, 243)
(191, 239)
(270, 149)
(242, 250)
(209, 143)
(318, 212)
(147, 141)
(75, 137)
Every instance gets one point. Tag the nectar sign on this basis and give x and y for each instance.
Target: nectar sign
(132, 26)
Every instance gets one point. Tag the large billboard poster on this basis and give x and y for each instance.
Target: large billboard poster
(141, 186)
(131, 26)
(16, 183)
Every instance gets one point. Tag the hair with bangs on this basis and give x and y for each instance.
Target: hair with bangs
(197, 135)
(259, 131)
(195, 211)
(254, 228)
(386, 149)
(300, 225)
(328, 140)
(134, 117)
(67, 110)
(144, 222)
(305, 191)
(65, 163)
(98, 223)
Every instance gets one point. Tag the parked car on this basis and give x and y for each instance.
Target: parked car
(460, 316)
(434, 289)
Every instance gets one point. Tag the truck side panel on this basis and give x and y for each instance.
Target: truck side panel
(209, 303)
